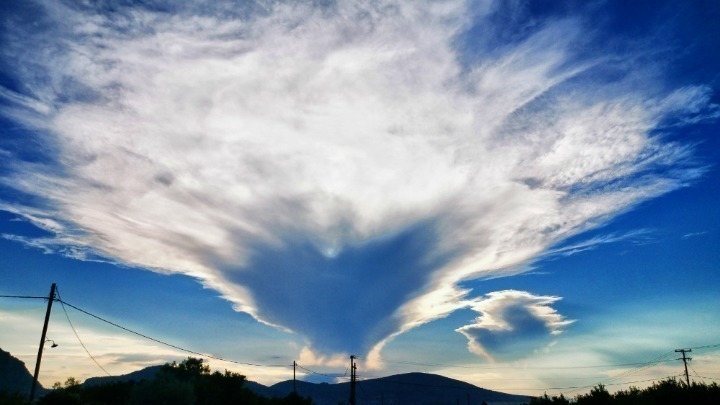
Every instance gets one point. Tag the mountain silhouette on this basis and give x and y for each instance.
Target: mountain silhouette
(400, 389)
(410, 388)
(148, 373)
(14, 376)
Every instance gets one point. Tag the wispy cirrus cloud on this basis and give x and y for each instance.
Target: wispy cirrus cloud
(694, 234)
(335, 171)
(638, 236)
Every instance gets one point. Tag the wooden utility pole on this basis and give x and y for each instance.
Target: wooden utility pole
(685, 360)
(294, 385)
(51, 298)
(353, 376)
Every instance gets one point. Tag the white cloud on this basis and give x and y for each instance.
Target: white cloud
(512, 324)
(638, 236)
(270, 155)
(309, 358)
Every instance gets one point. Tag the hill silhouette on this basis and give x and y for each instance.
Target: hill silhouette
(410, 388)
(14, 376)
(148, 373)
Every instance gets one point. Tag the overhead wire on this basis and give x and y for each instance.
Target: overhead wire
(693, 370)
(706, 346)
(700, 376)
(62, 304)
(607, 382)
(170, 344)
(516, 367)
(322, 374)
(590, 386)
(660, 359)
(473, 387)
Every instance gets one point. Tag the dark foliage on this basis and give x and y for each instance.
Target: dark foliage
(109, 394)
(666, 392)
(14, 398)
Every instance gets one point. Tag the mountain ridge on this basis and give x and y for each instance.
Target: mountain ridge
(407, 388)
(15, 376)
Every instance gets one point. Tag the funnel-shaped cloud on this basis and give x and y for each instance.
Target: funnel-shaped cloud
(335, 170)
(512, 324)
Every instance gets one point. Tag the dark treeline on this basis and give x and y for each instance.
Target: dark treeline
(187, 383)
(666, 392)
(192, 383)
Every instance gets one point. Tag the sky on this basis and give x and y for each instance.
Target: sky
(518, 194)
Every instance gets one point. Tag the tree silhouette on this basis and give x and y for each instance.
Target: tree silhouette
(665, 392)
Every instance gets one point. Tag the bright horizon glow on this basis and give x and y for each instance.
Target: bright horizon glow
(349, 178)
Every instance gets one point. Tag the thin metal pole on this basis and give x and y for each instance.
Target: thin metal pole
(294, 385)
(51, 298)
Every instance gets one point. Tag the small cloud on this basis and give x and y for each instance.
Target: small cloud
(66, 247)
(636, 237)
(309, 358)
(694, 234)
(512, 324)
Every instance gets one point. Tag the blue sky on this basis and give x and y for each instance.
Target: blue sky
(501, 192)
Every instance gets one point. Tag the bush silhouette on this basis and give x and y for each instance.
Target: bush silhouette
(665, 392)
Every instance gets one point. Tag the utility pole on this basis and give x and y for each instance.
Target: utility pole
(685, 360)
(353, 376)
(468, 397)
(294, 385)
(51, 298)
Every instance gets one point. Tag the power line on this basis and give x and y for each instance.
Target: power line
(708, 378)
(693, 370)
(76, 334)
(322, 374)
(313, 372)
(518, 367)
(169, 344)
(706, 346)
(627, 373)
(473, 387)
(590, 386)
(609, 381)
(660, 359)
